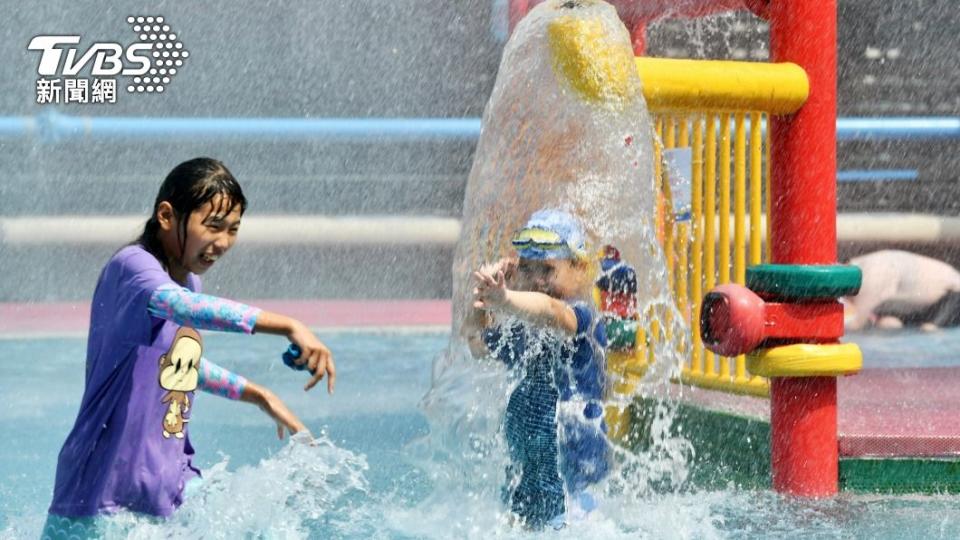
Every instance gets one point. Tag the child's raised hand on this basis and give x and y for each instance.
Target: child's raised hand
(507, 265)
(315, 355)
(490, 292)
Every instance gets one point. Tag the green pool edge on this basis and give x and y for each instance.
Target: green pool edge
(734, 450)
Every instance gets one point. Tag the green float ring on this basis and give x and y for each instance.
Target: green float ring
(621, 334)
(804, 282)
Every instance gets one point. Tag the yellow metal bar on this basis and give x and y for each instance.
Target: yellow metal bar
(670, 141)
(757, 380)
(724, 246)
(755, 182)
(658, 176)
(766, 155)
(710, 216)
(670, 252)
(739, 200)
(686, 85)
(669, 247)
(683, 246)
(665, 222)
(739, 222)
(670, 243)
(696, 219)
(683, 239)
(761, 389)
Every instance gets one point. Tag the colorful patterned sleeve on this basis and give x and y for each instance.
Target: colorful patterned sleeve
(202, 311)
(220, 381)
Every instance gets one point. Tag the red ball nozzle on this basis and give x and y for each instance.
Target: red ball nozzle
(732, 320)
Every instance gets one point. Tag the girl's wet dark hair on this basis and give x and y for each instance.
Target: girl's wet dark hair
(189, 186)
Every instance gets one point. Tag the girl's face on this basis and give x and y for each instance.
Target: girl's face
(559, 278)
(211, 231)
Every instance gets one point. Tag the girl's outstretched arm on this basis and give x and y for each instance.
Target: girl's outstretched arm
(206, 312)
(274, 407)
(222, 382)
(202, 311)
(313, 352)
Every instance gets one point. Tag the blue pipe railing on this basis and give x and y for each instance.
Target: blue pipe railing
(53, 126)
(886, 128)
(877, 175)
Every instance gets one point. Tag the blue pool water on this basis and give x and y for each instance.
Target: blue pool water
(908, 348)
(369, 476)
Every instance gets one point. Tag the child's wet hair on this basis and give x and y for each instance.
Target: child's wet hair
(189, 186)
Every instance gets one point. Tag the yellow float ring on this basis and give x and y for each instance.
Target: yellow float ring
(806, 360)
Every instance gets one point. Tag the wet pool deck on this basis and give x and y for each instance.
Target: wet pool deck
(900, 412)
(910, 412)
(890, 413)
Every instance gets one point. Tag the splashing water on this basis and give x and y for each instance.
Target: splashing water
(566, 127)
(307, 483)
(303, 488)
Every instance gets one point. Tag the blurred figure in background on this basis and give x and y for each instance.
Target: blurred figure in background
(904, 289)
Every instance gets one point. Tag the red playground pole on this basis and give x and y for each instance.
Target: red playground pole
(803, 410)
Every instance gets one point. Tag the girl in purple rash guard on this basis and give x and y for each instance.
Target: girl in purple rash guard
(129, 448)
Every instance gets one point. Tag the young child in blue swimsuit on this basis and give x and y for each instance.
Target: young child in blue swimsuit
(129, 448)
(535, 314)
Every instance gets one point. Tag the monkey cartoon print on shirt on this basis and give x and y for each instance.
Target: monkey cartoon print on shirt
(179, 374)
